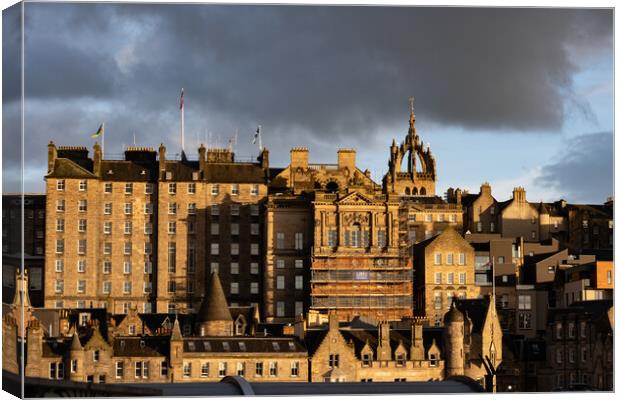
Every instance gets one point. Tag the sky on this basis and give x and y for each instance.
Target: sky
(511, 96)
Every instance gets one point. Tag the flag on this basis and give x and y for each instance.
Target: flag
(181, 107)
(98, 133)
(256, 135)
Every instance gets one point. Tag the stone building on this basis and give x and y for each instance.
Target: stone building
(579, 347)
(33, 229)
(444, 270)
(161, 224)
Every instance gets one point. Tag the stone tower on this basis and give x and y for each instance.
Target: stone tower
(417, 180)
(214, 318)
(76, 355)
(454, 333)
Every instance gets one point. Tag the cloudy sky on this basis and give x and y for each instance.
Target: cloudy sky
(509, 96)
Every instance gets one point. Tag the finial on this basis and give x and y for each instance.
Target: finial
(411, 101)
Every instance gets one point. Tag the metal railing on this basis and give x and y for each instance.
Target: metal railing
(362, 275)
(363, 301)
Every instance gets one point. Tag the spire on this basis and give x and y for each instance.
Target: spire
(411, 116)
(75, 342)
(214, 307)
(21, 289)
(176, 330)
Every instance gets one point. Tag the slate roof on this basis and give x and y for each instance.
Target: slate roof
(128, 171)
(65, 168)
(468, 199)
(476, 310)
(182, 170)
(54, 348)
(237, 344)
(235, 173)
(145, 346)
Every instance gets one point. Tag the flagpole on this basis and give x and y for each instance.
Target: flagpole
(182, 122)
(103, 140)
(493, 273)
(260, 140)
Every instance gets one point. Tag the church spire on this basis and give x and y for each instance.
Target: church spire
(411, 117)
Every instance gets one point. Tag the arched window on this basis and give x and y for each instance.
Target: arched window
(332, 187)
(415, 191)
(356, 235)
(407, 192)
(423, 191)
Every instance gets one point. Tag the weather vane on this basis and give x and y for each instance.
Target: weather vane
(411, 100)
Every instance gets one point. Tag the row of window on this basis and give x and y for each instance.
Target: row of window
(234, 229)
(429, 217)
(299, 241)
(234, 268)
(559, 355)
(148, 188)
(559, 330)
(450, 259)
(107, 266)
(173, 208)
(438, 302)
(106, 287)
(450, 278)
(147, 307)
(234, 249)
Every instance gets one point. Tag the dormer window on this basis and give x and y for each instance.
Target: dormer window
(432, 359)
(400, 360)
(366, 360)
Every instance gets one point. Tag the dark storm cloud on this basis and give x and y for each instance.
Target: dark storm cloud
(306, 74)
(584, 170)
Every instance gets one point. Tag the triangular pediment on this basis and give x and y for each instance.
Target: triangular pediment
(355, 198)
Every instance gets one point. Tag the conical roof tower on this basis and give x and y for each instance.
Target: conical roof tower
(214, 318)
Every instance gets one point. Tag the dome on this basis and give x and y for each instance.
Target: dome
(454, 315)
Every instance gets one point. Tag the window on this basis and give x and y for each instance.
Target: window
(215, 189)
(127, 267)
(172, 257)
(172, 188)
(525, 302)
(81, 266)
(148, 188)
(127, 248)
(107, 287)
(479, 226)
(254, 210)
(222, 367)
(492, 227)
(366, 359)
(254, 190)
(191, 188)
(148, 248)
(299, 307)
(60, 185)
(60, 265)
(148, 287)
(172, 227)
(273, 368)
(571, 356)
(501, 260)
(82, 225)
(107, 208)
(571, 330)
(234, 209)
(119, 370)
(127, 287)
(280, 309)
(280, 282)
(533, 234)
(81, 286)
(381, 238)
(215, 267)
(254, 268)
(60, 205)
(128, 188)
(449, 259)
(299, 241)
(254, 229)
(82, 246)
(450, 280)
(234, 249)
(299, 282)
(334, 360)
(258, 370)
(437, 297)
(172, 208)
(609, 277)
(204, 370)
(215, 210)
(234, 190)
(332, 238)
(191, 208)
(240, 368)
(400, 360)
(187, 369)
(60, 225)
(584, 354)
(432, 359)
(525, 320)
(279, 240)
(437, 258)
(582, 329)
(234, 287)
(215, 248)
(128, 208)
(60, 246)
(148, 228)
(254, 287)
(462, 278)
(558, 330)
(96, 356)
(82, 206)
(294, 368)
(254, 249)
(172, 287)
(234, 229)
(437, 278)
(452, 218)
(428, 218)
(148, 208)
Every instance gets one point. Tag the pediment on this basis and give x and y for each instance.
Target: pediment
(355, 198)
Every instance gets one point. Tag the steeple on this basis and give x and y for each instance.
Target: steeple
(176, 330)
(214, 317)
(75, 342)
(411, 117)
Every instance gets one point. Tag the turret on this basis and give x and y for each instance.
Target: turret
(52, 154)
(454, 332)
(76, 358)
(176, 351)
(214, 317)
